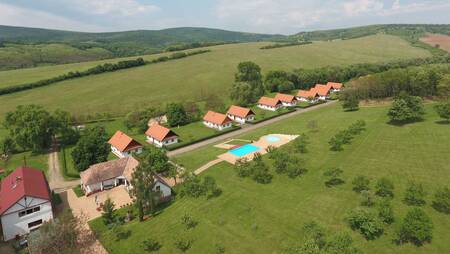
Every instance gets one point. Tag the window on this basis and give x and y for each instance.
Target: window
(158, 188)
(34, 223)
(29, 211)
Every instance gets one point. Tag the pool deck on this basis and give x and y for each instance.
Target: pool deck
(262, 143)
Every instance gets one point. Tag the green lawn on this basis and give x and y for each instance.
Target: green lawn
(67, 166)
(195, 77)
(38, 161)
(253, 218)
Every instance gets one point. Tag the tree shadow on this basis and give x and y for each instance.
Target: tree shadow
(403, 123)
(443, 122)
(334, 182)
(124, 235)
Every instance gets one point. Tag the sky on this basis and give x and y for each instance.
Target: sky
(257, 16)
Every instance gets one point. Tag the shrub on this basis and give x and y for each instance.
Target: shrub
(361, 183)
(406, 108)
(210, 186)
(219, 249)
(350, 102)
(301, 143)
(384, 188)
(414, 194)
(367, 198)
(192, 187)
(294, 170)
(333, 175)
(188, 221)
(151, 245)
(385, 211)
(441, 201)
(341, 243)
(183, 245)
(261, 173)
(416, 228)
(243, 167)
(443, 110)
(316, 232)
(108, 213)
(366, 222)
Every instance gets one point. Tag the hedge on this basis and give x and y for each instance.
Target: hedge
(180, 145)
(282, 45)
(290, 110)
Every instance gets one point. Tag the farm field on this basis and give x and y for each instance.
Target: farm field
(438, 39)
(196, 77)
(254, 218)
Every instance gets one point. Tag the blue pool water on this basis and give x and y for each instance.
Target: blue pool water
(273, 139)
(244, 150)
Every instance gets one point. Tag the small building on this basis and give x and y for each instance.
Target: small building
(123, 146)
(240, 114)
(161, 136)
(323, 91)
(271, 104)
(217, 120)
(334, 87)
(110, 174)
(308, 95)
(286, 99)
(25, 202)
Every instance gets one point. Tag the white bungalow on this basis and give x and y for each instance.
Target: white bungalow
(217, 120)
(123, 146)
(323, 91)
(310, 96)
(240, 114)
(107, 175)
(334, 87)
(161, 136)
(25, 202)
(286, 99)
(271, 104)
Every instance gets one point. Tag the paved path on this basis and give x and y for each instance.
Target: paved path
(55, 179)
(245, 128)
(207, 165)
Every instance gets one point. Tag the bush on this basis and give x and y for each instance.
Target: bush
(350, 102)
(443, 110)
(384, 188)
(406, 108)
(151, 245)
(414, 194)
(183, 245)
(361, 183)
(385, 211)
(366, 222)
(219, 249)
(188, 221)
(341, 243)
(301, 143)
(210, 186)
(261, 173)
(441, 201)
(333, 175)
(367, 198)
(192, 187)
(416, 228)
(316, 232)
(243, 167)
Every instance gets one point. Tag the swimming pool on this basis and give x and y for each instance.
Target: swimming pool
(244, 150)
(273, 138)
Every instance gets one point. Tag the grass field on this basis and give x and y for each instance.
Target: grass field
(253, 218)
(195, 77)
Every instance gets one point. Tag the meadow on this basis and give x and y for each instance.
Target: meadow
(193, 78)
(254, 218)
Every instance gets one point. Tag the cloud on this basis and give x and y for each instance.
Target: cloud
(17, 16)
(113, 7)
(359, 7)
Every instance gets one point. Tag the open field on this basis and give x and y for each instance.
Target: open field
(195, 77)
(253, 218)
(438, 39)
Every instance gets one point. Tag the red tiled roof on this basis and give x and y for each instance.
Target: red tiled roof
(216, 118)
(322, 90)
(334, 85)
(159, 132)
(272, 102)
(240, 111)
(123, 143)
(285, 97)
(23, 182)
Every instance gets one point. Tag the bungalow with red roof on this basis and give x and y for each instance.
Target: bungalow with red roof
(161, 136)
(271, 104)
(123, 146)
(25, 202)
(107, 175)
(217, 120)
(323, 91)
(286, 99)
(240, 114)
(308, 95)
(334, 87)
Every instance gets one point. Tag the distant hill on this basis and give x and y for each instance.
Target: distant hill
(26, 47)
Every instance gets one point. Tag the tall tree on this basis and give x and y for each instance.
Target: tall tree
(91, 148)
(406, 108)
(278, 81)
(7, 147)
(443, 110)
(176, 115)
(248, 84)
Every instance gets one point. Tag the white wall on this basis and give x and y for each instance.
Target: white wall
(216, 126)
(165, 190)
(267, 107)
(164, 143)
(124, 154)
(288, 104)
(13, 225)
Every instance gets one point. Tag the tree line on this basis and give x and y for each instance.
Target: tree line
(282, 45)
(102, 68)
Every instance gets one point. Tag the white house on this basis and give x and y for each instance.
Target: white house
(217, 120)
(286, 99)
(308, 96)
(271, 104)
(323, 91)
(334, 87)
(25, 202)
(107, 175)
(240, 114)
(161, 136)
(123, 146)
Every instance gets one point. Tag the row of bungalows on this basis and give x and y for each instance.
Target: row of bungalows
(221, 121)
(110, 174)
(319, 92)
(280, 100)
